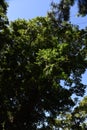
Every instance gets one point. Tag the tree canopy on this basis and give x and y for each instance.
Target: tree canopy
(61, 9)
(34, 61)
(77, 119)
(41, 67)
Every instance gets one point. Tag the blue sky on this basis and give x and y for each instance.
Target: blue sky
(29, 9)
(81, 21)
